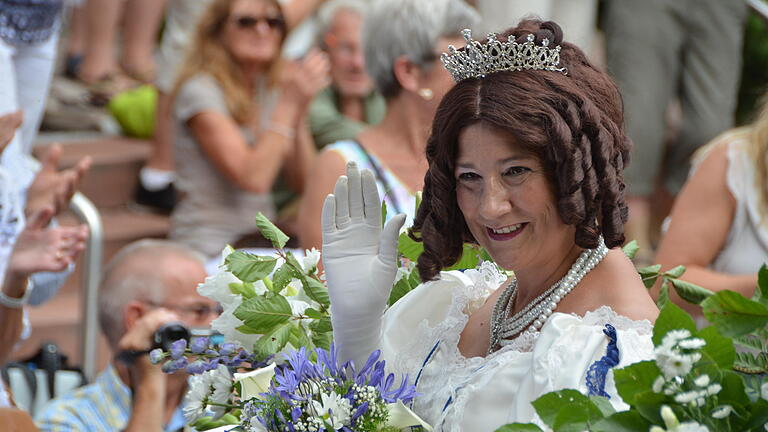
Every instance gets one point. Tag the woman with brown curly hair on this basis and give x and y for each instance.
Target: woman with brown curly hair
(525, 159)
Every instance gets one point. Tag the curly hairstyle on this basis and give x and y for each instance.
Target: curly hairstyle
(573, 123)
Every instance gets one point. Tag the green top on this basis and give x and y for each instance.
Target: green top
(328, 125)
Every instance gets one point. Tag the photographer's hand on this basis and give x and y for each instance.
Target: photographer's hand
(147, 381)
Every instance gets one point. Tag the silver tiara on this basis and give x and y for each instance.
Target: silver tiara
(477, 60)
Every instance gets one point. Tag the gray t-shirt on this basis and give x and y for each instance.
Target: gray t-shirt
(212, 211)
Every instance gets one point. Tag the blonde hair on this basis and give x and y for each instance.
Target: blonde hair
(758, 152)
(207, 54)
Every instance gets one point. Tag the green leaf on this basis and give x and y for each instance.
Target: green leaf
(758, 415)
(733, 392)
(316, 290)
(649, 404)
(245, 289)
(718, 348)
(248, 267)
(273, 341)
(470, 258)
(634, 379)
(245, 329)
(313, 313)
(690, 292)
(663, 295)
(649, 274)
(750, 341)
(299, 338)
(282, 277)
(630, 249)
(409, 248)
(323, 325)
(625, 421)
(676, 272)
(761, 293)
(322, 340)
(573, 418)
(550, 404)
(671, 317)
(271, 232)
(262, 313)
(603, 404)
(384, 213)
(401, 288)
(733, 314)
(519, 427)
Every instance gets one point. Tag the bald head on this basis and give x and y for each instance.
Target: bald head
(148, 271)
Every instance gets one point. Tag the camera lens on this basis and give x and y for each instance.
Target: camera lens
(168, 334)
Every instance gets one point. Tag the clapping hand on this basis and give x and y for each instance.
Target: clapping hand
(53, 187)
(307, 77)
(360, 261)
(46, 249)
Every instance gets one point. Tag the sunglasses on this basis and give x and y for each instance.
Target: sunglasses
(249, 22)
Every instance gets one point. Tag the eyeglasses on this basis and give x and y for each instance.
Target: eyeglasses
(250, 22)
(197, 312)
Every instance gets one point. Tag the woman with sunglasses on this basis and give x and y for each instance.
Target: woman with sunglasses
(239, 112)
(402, 40)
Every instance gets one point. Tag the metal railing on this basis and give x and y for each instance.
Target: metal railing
(84, 209)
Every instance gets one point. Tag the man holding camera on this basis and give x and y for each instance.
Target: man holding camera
(148, 285)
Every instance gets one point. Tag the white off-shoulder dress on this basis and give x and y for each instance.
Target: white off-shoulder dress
(420, 338)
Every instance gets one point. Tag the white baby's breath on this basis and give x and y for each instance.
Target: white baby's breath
(686, 397)
(658, 385)
(714, 389)
(702, 381)
(722, 411)
(692, 343)
(764, 391)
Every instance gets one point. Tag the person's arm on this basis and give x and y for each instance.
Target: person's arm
(305, 155)
(8, 124)
(327, 124)
(700, 222)
(147, 381)
(255, 168)
(322, 177)
(36, 249)
(295, 11)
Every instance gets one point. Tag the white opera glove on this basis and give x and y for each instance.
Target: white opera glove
(360, 261)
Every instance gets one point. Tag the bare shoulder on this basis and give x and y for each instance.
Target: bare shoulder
(614, 283)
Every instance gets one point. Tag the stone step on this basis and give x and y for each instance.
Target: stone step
(114, 172)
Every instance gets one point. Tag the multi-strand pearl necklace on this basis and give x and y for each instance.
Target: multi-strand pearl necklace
(532, 317)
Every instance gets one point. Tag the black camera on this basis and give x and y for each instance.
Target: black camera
(168, 334)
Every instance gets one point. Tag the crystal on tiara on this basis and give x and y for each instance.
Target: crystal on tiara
(477, 60)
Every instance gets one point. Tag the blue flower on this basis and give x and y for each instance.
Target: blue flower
(197, 367)
(227, 348)
(156, 355)
(177, 348)
(199, 345)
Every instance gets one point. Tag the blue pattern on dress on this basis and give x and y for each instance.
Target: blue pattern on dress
(598, 370)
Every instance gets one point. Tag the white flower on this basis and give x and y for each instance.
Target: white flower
(311, 258)
(216, 288)
(702, 381)
(722, 411)
(669, 417)
(674, 425)
(197, 395)
(764, 391)
(676, 364)
(400, 416)
(714, 389)
(255, 382)
(334, 409)
(693, 343)
(686, 397)
(674, 336)
(658, 385)
(221, 380)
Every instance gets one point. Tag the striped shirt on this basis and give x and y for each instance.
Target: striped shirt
(104, 406)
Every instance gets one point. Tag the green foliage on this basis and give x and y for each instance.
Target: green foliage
(248, 267)
(671, 317)
(690, 292)
(262, 313)
(271, 232)
(406, 283)
(630, 249)
(519, 427)
(733, 314)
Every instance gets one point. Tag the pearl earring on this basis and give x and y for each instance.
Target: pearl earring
(426, 94)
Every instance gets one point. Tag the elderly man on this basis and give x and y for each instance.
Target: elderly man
(350, 104)
(148, 284)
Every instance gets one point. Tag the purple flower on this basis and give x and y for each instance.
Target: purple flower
(172, 366)
(362, 409)
(177, 348)
(227, 348)
(156, 355)
(199, 345)
(197, 367)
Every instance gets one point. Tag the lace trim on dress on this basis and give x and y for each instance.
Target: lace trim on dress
(598, 370)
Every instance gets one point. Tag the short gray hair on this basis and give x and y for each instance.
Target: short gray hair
(328, 11)
(135, 273)
(412, 28)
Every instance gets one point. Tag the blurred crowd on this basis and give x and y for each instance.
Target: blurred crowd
(258, 105)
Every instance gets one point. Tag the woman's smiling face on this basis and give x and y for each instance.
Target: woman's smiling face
(507, 200)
